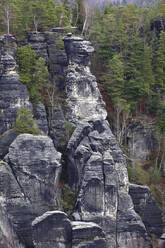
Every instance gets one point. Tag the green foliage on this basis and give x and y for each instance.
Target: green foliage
(32, 72)
(155, 175)
(130, 55)
(68, 199)
(157, 194)
(25, 123)
(138, 175)
(26, 59)
(60, 43)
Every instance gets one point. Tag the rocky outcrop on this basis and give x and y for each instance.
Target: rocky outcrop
(61, 232)
(49, 45)
(41, 117)
(29, 182)
(146, 206)
(141, 139)
(97, 171)
(8, 238)
(5, 141)
(84, 100)
(58, 230)
(162, 241)
(57, 124)
(13, 93)
(87, 235)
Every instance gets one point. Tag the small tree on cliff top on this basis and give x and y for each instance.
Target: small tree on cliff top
(24, 122)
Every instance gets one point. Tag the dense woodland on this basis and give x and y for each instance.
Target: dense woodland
(129, 59)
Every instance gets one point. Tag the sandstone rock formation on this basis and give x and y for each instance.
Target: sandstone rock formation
(13, 94)
(58, 230)
(97, 171)
(146, 206)
(141, 139)
(104, 214)
(28, 183)
(87, 235)
(84, 100)
(61, 232)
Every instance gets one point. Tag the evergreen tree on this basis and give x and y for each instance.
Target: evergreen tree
(25, 123)
(160, 64)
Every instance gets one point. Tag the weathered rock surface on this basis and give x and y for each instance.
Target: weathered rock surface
(84, 100)
(141, 139)
(162, 241)
(147, 208)
(57, 124)
(87, 235)
(61, 232)
(13, 94)
(97, 171)
(41, 117)
(29, 181)
(52, 230)
(46, 46)
(16, 206)
(8, 238)
(5, 141)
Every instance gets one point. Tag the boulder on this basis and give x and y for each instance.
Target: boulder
(87, 235)
(52, 230)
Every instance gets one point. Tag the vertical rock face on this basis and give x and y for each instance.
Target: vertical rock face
(84, 100)
(97, 171)
(41, 117)
(13, 94)
(8, 238)
(147, 208)
(29, 181)
(141, 139)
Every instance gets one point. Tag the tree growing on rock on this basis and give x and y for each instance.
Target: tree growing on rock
(25, 123)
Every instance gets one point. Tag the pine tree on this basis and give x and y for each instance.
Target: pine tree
(160, 64)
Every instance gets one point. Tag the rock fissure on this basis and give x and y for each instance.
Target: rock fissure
(17, 180)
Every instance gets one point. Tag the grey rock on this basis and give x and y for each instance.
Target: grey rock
(41, 117)
(30, 182)
(5, 141)
(8, 44)
(8, 238)
(162, 241)
(97, 172)
(37, 41)
(141, 139)
(146, 206)
(57, 123)
(16, 206)
(13, 93)
(87, 235)
(78, 50)
(84, 100)
(52, 230)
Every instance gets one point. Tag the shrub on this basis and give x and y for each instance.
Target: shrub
(60, 43)
(138, 175)
(24, 122)
(157, 194)
(68, 199)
